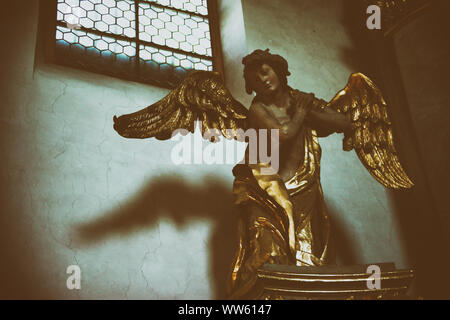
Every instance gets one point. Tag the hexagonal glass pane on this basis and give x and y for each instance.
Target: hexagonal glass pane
(192, 39)
(102, 26)
(99, 14)
(158, 40)
(129, 32)
(115, 29)
(186, 46)
(179, 36)
(166, 34)
(190, 7)
(164, 16)
(178, 20)
(59, 34)
(87, 23)
(174, 27)
(158, 57)
(101, 8)
(86, 41)
(197, 6)
(70, 37)
(147, 11)
(157, 23)
(202, 10)
(187, 64)
(173, 61)
(171, 26)
(185, 30)
(101, 44)
(130, 51)
(125, 5)
(200, 49)
(117, 13)
(151, 30)
(145, 55)
(123, 22)
(109, 19)
(87, 5)
(94, 15)
(109, 3)
(64, 8)
(115, 47)
(191, 23)
(201, 66)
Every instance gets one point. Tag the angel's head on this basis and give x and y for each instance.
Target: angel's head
(264, 72)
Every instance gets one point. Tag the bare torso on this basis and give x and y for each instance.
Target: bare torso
(291, 150)
(288, 116)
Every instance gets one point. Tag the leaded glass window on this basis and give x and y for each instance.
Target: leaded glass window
(154, 41)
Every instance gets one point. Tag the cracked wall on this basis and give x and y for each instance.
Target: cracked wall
(139, 227)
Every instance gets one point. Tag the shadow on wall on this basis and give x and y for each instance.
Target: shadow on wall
(359, 57)
(178, 200)
(19, 277)
(346, 248)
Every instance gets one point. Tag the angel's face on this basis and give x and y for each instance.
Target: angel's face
(264, 80)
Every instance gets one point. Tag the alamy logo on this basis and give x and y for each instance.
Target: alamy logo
(191, 148)
(374, 280)
(74, 280)
(374, 20)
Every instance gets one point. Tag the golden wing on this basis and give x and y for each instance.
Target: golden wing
(202, 96)
(371, 131)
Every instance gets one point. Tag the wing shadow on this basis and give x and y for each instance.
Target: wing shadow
(180, 201)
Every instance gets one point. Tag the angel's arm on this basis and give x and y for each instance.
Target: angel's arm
(260, 118)
(327, 121)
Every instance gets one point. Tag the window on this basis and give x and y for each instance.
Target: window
(152, 41)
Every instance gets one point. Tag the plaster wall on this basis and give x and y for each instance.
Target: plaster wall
(76, 193)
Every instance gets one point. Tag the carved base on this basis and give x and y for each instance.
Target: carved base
(331, 282)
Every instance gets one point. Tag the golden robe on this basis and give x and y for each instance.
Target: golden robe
(264, 202)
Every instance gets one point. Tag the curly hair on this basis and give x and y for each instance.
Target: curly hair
(259, 57)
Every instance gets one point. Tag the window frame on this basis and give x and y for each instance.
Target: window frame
(46, 45)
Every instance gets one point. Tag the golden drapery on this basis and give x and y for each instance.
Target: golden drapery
(264, 202)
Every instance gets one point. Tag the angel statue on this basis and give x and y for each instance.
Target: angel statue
(282, 213)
